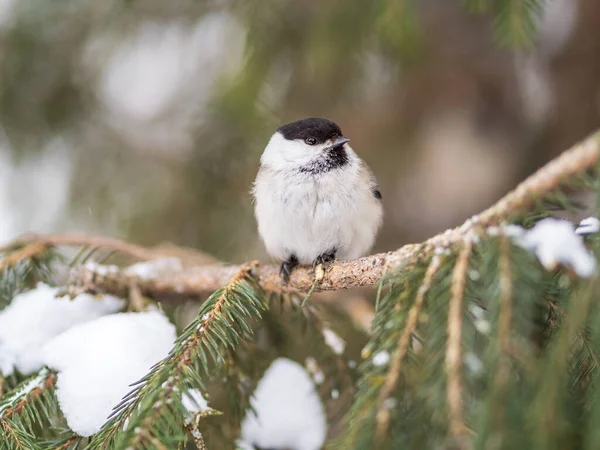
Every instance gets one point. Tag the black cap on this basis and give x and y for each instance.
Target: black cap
(321, 129)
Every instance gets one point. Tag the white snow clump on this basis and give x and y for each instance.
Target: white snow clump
(289, 411)
(36, 316)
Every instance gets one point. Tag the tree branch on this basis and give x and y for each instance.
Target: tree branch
(457, 426)
(199, 280)
(30, 245)
(349, 274)
(383, 415)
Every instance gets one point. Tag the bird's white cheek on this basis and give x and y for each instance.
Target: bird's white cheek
(283, 154)
(299, 153)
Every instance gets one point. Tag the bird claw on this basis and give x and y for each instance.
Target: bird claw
(285, 270)
(324, 259)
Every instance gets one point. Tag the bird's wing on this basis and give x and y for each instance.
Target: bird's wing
(367, 174)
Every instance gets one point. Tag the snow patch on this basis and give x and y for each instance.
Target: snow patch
(99, 360)
(289, 413)
(36, 316)
(588, 226)
(152, 269)
(194, 402)
(555, 242)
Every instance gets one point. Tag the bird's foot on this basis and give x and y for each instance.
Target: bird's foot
(286, 268)
(324, 258)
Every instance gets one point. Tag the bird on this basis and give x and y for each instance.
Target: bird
(315, 199)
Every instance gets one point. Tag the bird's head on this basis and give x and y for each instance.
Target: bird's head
(303, 142)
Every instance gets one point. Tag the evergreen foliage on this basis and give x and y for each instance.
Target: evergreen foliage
(474, 345)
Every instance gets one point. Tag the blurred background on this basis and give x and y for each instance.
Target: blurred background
(146, 120)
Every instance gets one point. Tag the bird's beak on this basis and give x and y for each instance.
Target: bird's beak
(341, 140)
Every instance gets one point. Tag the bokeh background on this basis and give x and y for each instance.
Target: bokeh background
(146, 120)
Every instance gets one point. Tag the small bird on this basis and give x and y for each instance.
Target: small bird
(315, 199)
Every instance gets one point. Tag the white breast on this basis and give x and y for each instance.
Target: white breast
(305, 215)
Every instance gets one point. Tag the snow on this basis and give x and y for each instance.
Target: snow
(289, 412)
(336, 343)
(381, 358)
(554, 242)
(36, 316)
(194, 402)
(101, 269)
(151, 269)
(98, 361)
(588, 226)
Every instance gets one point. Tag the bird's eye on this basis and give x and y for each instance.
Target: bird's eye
(311, 140)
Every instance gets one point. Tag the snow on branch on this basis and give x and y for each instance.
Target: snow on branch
(26, 392)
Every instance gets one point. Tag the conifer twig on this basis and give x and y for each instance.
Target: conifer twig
(197, 436)
(178, 363)
(68, 443)
(505, 314)
(457, 427)
(44, 380)
(27, 252)
(395, 368)
(31, 244)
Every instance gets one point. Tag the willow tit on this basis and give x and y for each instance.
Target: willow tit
(315, 199)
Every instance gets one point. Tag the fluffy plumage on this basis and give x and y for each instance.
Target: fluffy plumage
(315, 199)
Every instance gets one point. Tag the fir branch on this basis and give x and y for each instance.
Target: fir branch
(457, 427)
(23, 407)
(153, 412)
(30, 245)
(26, 252)
(27, 392)
(196, 434)
(67, 443)
(367, 271)
(504, 318)
(383, 414)
(15, 438)
(517, 20)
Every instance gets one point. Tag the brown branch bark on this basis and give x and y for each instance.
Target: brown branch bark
(457, 426)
